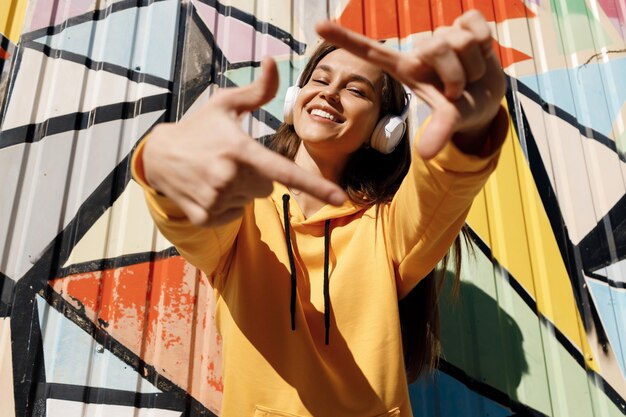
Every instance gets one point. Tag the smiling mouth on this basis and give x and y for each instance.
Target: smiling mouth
(325, 115)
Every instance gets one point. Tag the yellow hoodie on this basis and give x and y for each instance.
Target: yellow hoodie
(272, 369)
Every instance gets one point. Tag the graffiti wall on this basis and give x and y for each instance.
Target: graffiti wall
(99, 315)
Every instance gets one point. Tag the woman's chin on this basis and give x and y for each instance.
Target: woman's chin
(318, 136)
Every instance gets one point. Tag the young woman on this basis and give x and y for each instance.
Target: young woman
(310, 247)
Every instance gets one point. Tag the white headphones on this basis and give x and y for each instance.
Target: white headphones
(387, 133)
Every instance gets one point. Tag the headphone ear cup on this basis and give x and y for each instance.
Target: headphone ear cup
(387, 134)
(290, 101)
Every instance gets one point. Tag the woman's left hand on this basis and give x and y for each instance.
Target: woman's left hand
(456, 72)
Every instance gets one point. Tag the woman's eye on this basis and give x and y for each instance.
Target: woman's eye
(357, 91)
(320, 81)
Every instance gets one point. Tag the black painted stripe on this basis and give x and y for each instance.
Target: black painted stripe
(528, 300)
(83, 120)
(29, 370)
(605, 243)
(7, 286)
(92, 15)
(4, 42)
(261, 115)
(132, 74)
(585, 131)
(605, 280)
(117, 262)
(517, 287)
(98, 395)
(260, 26)
(58, 250)
(149, 372)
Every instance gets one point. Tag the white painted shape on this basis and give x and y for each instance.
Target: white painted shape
(249, 124)
(298, 18)
(46, 87)
(64, 408)
(586, 176)
(73, 357)
(59, 173)
(141, 38)
(125, 228)
(6, 369)
(616, 271)
(535, 115)
(254, 127)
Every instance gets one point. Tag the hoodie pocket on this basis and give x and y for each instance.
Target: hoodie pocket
(268, 412)
(391, 413)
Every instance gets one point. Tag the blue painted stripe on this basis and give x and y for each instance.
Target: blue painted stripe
(611, 306)
(444, 396)
(75, 358)
(616, 272)
(142, 39)
(581, 91)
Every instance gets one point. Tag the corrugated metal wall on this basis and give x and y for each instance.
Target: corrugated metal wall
(98, 314)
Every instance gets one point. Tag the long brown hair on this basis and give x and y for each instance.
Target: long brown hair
(372, 178)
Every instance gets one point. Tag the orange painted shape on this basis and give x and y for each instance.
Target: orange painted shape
(444, 12)
(119, 297)
(509, 56)
(153, 310)
(499, 10)
(401, 18)
(4, 54)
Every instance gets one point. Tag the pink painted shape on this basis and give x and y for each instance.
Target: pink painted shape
(238, 40)
(616, 12)
(52, 12)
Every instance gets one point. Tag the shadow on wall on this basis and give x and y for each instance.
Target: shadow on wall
(483, 358)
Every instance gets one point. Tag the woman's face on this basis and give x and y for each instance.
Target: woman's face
(339, 106)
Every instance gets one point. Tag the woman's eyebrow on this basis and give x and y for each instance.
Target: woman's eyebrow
(353, 76)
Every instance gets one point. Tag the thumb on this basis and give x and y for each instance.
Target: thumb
(436, 134)
(255, 94)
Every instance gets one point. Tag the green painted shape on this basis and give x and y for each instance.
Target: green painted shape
(287, 72)
(620, 143)
(578, 28)
(563, 8)
(503, 344)
(491, 343)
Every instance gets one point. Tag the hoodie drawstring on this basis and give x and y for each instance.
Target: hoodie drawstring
(326, 282)
(292, 266)
(292, 262)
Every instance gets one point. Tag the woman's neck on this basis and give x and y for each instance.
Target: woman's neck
(330, 168)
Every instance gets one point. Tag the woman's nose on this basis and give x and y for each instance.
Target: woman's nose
(330, 93)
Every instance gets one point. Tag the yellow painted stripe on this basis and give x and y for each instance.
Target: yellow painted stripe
(12, 18)
(509, 216)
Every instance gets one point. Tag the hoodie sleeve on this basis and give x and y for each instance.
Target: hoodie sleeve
(206, 248)
(430, 207)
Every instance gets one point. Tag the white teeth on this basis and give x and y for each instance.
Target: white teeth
(322, 113)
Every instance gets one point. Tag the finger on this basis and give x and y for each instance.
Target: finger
(232, 202)
(439, 55)
(275, 167)
(442, 124)
(254, 186)
(196, 214)
(254, 95)
(468, 50)
(475, 22)
(361, 46)
(225, 217)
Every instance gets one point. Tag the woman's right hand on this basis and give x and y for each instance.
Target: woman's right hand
(211, 168)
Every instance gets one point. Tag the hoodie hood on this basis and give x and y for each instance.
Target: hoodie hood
(328, 212)
(292, 214)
